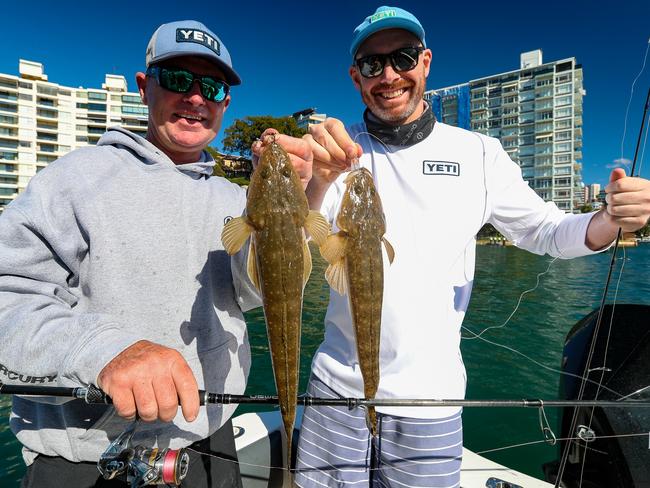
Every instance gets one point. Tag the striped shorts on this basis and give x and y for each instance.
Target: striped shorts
(335, 447)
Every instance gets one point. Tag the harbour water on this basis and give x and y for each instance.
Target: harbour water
(566, 292)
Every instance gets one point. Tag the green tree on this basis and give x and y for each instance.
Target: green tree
(218, 168)
(586, 208)
(243, 132)
(488, 231)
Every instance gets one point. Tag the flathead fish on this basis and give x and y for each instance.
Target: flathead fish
(356, 269)
(279, 263)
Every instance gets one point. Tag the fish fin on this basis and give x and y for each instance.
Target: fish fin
(235, 233)
(337, 276)
(306, 271)
(317, 227)
(333, 249)
(389, 250)
(252, 266)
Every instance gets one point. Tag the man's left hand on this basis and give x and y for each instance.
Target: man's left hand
(299, 151)
(628, 201)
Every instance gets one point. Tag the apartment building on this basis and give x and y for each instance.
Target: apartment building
(41, 120)
(536, 112)
(308, 117)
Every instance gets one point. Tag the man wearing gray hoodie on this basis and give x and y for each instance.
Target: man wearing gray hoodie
(112, 273)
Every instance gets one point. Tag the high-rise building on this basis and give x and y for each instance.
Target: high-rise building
(308, 117)
(536, 112)
(41, 120)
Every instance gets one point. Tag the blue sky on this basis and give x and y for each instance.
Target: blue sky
(294, 55)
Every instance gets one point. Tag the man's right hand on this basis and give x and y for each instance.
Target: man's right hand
(334, 152)
(333, 148)
(150, 380)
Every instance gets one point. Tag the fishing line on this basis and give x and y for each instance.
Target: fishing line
(573, 424)
(531, 443)
(629, 102)
(412, 463)
(539, 275)
(553, 370)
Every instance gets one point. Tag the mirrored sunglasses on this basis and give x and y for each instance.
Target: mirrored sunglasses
(182, 80)
(402, 59)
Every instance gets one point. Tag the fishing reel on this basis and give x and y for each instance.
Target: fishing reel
(143, 466)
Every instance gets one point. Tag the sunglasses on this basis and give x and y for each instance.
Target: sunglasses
(403, 59)
(182, 80)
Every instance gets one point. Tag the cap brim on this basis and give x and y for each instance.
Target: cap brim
(232, 78)
(393, 23)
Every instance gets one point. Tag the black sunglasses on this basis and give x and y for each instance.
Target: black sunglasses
(182, 80)
(402, 59)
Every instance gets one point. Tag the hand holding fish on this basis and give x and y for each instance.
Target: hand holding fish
(333, 148)
(150, 380)
(334, 151)
(628, 207)
(300, 153)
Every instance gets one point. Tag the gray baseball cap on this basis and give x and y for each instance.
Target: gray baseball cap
(190, 38)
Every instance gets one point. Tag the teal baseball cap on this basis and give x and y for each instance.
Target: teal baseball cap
(386, 18)
(190, 38)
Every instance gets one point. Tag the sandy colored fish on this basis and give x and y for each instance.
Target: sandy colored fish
(356, 269)
(279, 263)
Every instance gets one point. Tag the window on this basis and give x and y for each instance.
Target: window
(563, 136)
(563, 112)
(96, 96)
(565, 100)
(563, 158)
(544, 115)
(563, 147)
(43, 158)
(134, 99)
(135, 110)
(97, 107)
(8, 144)
(563, 124)
(562, 170)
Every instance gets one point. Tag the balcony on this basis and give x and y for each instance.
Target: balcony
(46, 113)
(8, 97)
(10, 84)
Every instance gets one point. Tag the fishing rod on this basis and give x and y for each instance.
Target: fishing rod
(94, 395)
(592, 346)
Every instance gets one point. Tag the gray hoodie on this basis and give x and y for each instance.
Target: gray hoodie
(110, 245)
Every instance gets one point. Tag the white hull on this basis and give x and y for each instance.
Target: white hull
(259, 446)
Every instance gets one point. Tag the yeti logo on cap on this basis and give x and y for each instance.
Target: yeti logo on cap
(199, 37)
(382, 15)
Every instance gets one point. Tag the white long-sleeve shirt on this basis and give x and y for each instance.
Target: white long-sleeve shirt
(436, 196)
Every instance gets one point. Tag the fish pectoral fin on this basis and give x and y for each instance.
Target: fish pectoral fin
(317, 227)
(235, 233)
(389, 250)
(333, 249)
(337, 276)
(252, 266)
(306, 271)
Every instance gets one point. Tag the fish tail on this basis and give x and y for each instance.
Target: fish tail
(371, 420)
